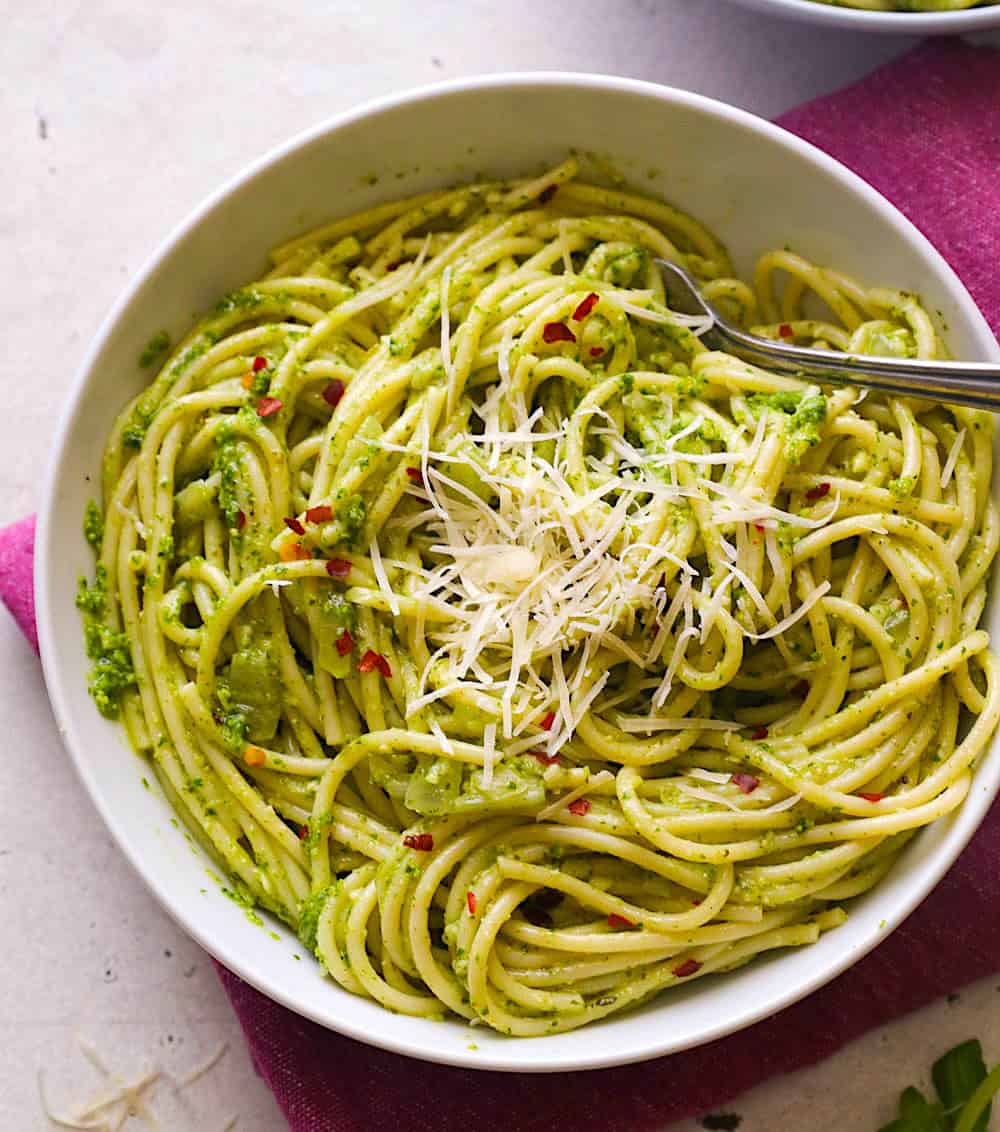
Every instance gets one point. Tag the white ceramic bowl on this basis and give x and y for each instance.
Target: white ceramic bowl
(903, 23)
(758, 187)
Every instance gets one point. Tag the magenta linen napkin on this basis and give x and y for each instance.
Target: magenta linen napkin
(925, 130)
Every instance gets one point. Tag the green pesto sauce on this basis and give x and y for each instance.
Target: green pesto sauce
(154, 349)
(134, 433)
(93, 526)
(229, 465)
(805, 411)
(93, 599)
(310, 911)
(239, 895)
(112, 672)
(343, 613)
(232, 719)
(353, 514)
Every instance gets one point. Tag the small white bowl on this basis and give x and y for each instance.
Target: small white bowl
(755, 185)
(902, 23)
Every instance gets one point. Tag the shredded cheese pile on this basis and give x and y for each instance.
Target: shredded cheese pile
(123, 1099)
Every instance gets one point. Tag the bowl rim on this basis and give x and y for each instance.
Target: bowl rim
(503, 1057)
(900, 23)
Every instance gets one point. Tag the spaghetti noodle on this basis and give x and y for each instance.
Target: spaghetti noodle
(522, 653)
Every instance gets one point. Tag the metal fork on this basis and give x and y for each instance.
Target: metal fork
(965, 383)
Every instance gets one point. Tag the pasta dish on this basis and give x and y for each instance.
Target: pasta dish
(524, 654)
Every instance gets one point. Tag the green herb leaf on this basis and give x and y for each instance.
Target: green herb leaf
(917, 1115)
(956, 1076)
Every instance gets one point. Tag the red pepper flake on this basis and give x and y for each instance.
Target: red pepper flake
(817, 492)
(786, 331)
(547, 194)
(801, 689)
(759, 527)
(470, 902)
(415, 475)
(259, 363)
(394, 266)
(596, 351)
(345, 643)
(321, 514)
(422, 841)
(586, 306)
(333, 392)
(374, 662)
(294, 525)
(745, 783)
(303, 833)
(241, 520)
(293, 551)
(557, 332)
(872, 797)
(616, 921)
(758, 734)
(338, 567)
(688, 967)
(544, 759)
(254, 756)
(695, 903)
(268, 406)
(548, 721)
(580, 807)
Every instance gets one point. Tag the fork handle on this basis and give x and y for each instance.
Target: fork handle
(976, 384)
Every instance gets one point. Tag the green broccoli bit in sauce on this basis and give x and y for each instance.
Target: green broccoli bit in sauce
(804, 425)
(261, 383)
(93, 526)
(902, 486)
(310, 911)
(228, 464)
(234, 730)
(255, 688)
(352, 513)
(243, 300)
(112, 672)
(232, 720)
(806, 413)
(134, 433)
(154, 349)
(93, 600)
(340, 611)
(442, 786)
(784, 401)
(886, 341)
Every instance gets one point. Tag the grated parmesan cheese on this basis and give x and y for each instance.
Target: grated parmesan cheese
(953, 454)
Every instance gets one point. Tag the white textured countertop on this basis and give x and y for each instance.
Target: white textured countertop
(117, 118)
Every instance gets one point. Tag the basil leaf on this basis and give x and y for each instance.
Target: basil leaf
(956, 1076)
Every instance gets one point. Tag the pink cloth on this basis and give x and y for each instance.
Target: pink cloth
(925, 130)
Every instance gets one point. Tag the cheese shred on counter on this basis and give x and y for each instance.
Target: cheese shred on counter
(521, 652)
